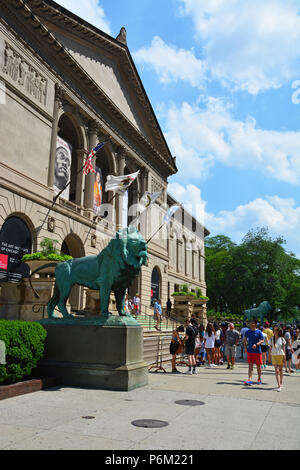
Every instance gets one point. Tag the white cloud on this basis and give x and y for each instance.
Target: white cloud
(190, 197)
(89, 10)
(171, 63)
(207, 133)
(252, 44)
(280, 215)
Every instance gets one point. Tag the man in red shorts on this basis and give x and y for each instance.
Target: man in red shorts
(253, 338)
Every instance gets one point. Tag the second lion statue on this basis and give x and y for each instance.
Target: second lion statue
(113, 269)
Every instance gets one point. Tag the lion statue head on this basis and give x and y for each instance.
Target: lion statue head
(130, 248)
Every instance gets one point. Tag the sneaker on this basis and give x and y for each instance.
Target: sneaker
(189, 372)
(259, 382)
(194, 371)
(175, 371)
(248, 382)
(279, 389)
(228, 366)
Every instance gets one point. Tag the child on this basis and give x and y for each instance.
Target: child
(201, 354)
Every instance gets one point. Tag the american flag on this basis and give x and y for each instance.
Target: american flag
(88, 167)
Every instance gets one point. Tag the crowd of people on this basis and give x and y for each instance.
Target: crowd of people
(133, 305)
(216, 344)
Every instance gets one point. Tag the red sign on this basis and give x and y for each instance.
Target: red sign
(3, 261)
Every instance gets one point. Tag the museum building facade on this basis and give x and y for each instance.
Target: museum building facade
(64, 87)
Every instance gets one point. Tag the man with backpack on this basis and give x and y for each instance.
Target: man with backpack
(189, 340)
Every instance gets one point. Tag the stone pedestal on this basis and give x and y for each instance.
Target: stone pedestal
(18, 302)
(91, 355)
(199, 310)
(182, 307)
(92, 303)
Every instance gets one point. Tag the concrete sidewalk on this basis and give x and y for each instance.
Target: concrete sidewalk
(233, 416)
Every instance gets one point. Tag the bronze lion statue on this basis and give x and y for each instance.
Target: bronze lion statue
(113, 269)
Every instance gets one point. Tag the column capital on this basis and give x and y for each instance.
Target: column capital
(121, 152)
(144, 172)
(92, 127)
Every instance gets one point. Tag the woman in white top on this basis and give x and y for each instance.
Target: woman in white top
(217, 344)
(278, 354)
(209, 338)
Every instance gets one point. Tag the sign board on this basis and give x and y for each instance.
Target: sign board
(15, 241)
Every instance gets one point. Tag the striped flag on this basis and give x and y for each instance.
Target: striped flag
(88, 167)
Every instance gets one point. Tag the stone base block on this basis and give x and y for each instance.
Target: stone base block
(104, 357)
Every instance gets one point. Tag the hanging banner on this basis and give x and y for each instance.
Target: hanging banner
(98, 191)
(15, 241)
(62, 172)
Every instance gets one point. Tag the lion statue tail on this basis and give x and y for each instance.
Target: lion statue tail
(48, 265)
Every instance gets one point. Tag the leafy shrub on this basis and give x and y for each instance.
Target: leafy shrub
(51, 256)
(193, 294)
(49, 246)
(24, 343)
(183, 293)
(48, 252)
(185, 288)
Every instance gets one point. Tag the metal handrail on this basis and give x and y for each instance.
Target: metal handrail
(169, 320)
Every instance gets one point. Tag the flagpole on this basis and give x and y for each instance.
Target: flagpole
(79, 171)
(155, 233)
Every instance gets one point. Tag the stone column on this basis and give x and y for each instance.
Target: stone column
(57, 105)
(81, 156)
(142, 221)
(90, 177)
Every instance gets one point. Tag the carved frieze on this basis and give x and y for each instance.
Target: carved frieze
(157, 187)
(21, 72)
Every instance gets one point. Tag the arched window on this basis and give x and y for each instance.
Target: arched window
(66, 165)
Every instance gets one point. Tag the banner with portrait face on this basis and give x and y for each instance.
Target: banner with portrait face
(98, 191)
(62, 172)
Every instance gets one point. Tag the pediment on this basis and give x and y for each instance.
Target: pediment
(104, 69)
(104, 65)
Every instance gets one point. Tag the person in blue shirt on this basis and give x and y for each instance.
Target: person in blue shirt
(253, 338)
(157, 314)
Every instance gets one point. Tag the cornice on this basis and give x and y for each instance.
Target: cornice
(55, 13)
(34, 22)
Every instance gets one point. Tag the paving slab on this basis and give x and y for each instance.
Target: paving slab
(233, 416)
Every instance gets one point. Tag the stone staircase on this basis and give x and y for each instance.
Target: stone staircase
(156, 343)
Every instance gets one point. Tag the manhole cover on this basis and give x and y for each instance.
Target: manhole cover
(149, 423)
(88, 417)
(189, 402)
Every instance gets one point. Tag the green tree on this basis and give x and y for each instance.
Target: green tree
(258, 269)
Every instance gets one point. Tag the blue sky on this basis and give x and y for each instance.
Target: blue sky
(223, 77)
